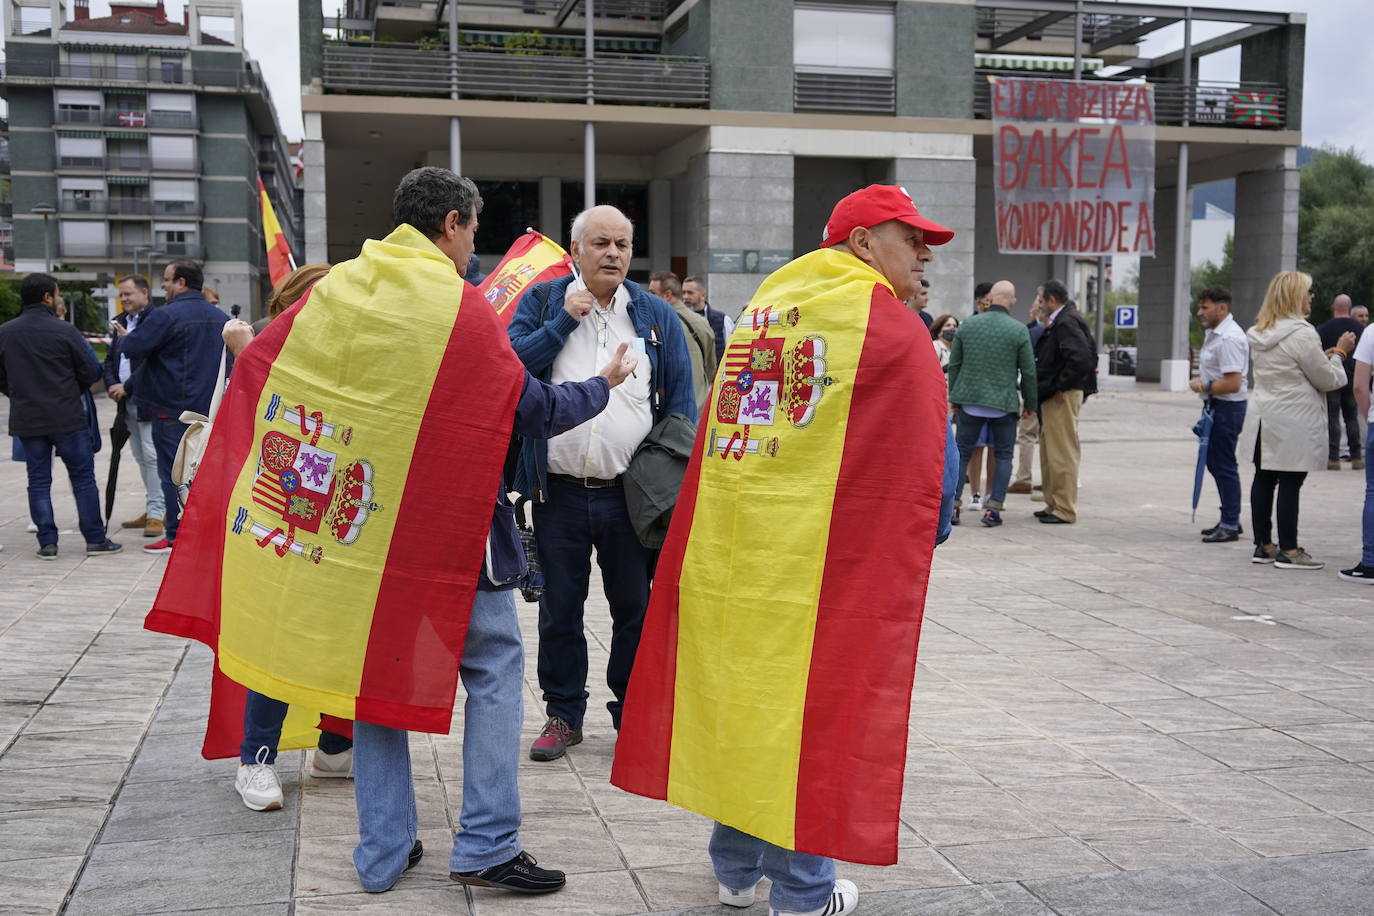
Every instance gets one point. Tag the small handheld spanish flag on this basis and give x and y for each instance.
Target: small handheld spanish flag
(533, 259)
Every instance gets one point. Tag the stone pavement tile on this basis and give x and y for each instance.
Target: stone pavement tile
(37, 885)
(1225, 798)
(1138, 757)
(943, 696)
(1017, 860)
(1119, 687)
(1297, 836)
(1078, 808)
(92, 784)
(1185, 891)
(1016, 690)
(583, 844)
(44, 832)
(1079, 663)
(1299, 674)
(27, 666)
(1256, 748)
(1104, 636)
(181, 714)
(413, 901)
(1075, 719)
(1198, 676)
(83, 689)
(116, 664)
(917, 866)
(1029, 763)
(1187, 714)
(671, 887)
(1026, 641)
(936, 772)
(1333, 884)
(1353, 741)
(180, 874)
(978, 900)
(1164, 845)
(971, 727)
(97, 745)
(1358, 701)
(603, 894)
(1281, 708)
(659, 839)
(261, 909)
(971, 816)
(26, 689)
(167, 757)
(109, 713)
(1335, 789)
(555, 792)
(324, 865)
(195, 808)
(328, 809)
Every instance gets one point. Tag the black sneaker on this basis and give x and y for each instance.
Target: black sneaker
(1358, 573)
(96, 550)
(1240, 529)
(417, 852)
(47, 552)
(1220, 535)
(1264, 554)
(954, 516)
(521, 874)
(992, 518)
(1041, 513)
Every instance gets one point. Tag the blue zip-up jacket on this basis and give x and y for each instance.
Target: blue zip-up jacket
(176, 351)
(538, 341)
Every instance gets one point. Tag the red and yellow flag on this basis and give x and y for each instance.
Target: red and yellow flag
(332, 542)
(279, 260)
(532, 259)
(772, 686)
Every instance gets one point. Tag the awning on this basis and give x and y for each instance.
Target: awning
(1032, 62)
(125, 135)
(563, 42)
(90, 134)
(127, 179)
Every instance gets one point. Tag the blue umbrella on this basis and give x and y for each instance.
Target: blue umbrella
(1203, 430)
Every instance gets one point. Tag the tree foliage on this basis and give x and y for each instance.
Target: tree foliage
(9, 299)
(1336, 228)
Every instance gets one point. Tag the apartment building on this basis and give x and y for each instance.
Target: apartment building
(134, 138)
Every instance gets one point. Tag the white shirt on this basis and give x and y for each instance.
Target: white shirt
(1054, 315)
(603, 446)
(1364, 352)
(125, 370)
(1224, 350)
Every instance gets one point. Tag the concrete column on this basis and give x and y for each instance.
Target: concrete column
(1266, 236)
(316, 228)
(945, 190)
(312, 43)
(551, 210)
(1154, 338)
(744, 201)
(660, 223)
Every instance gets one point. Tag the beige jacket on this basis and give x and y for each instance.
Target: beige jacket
(701, 347)
(1288, 401)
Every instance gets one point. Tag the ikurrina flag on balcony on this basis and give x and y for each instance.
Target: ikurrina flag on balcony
(279, 260)
(532, 259)
(335, 531)
(772, 685)
(1255, 109)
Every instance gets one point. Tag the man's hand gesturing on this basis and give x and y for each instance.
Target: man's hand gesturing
(620, 366)
(579, 304)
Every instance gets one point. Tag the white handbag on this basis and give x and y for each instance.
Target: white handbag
(196, 438)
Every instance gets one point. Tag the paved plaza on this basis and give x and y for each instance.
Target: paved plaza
(1109, 717)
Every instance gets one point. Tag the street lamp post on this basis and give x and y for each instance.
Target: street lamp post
(45, 211)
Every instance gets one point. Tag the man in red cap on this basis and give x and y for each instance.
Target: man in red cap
(773, 699)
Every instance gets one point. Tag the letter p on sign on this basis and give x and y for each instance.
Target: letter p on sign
(1125, 316)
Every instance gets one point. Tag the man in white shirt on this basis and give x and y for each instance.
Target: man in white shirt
(575, 479)
(1364, 364)
(135, 300)
(1222, 367)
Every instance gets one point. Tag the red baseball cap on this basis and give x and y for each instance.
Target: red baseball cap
(876, 204)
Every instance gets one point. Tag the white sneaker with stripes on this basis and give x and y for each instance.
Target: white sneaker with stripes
(844, 898)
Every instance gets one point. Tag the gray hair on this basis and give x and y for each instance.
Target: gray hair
(579, 223)
(699, 281)
(427, 195)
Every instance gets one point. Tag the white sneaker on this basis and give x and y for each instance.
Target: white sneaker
(332, 766)
(844, 898)
(257, 784)
(31, 528)
(976, 503)
(740, 898)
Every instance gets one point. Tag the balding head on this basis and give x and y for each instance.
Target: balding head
(1003, 293)
(1340, 306)
(602, 245)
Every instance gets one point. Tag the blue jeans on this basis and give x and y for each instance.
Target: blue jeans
(262, 719)
(145, 455)
(492, 669)
(1367, 557)
(76, 453)
(1227, 419)
(967, 428)
(574, 520)
(801, 882)
(167, 434)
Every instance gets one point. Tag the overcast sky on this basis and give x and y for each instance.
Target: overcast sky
(1339, 69)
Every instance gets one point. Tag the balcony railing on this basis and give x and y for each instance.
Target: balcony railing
(392, 68)
(125, 118)
(997, 21)
(853, 91)
(605, 9)
(125, 250)
(1207, 103)
(39, 70)
(130, 206)
(129, 163)
(4, 165)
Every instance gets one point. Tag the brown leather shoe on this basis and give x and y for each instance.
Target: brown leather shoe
(153, 529)
(1019, 488)
(135, 522)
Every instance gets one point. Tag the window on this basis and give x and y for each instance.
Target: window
(849, 37)
(508, 209)
(82, 195)
(88, 152)
(79, 64)
(172, 109)
(174, 196)
(83, 238)
(126, 67)
(171, 70)
(172, 152)
(78, 106)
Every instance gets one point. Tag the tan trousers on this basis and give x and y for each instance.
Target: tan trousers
(1059, 453)
(1027, 434)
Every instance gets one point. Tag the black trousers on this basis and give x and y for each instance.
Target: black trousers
(1340, 405)
(1289, 485)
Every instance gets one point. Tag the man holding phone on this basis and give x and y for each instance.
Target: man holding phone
(136, 302)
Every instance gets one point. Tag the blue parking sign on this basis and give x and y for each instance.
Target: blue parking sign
(1125, 316)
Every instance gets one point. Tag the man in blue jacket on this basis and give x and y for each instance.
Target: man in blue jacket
(563, 330)
(176, 354)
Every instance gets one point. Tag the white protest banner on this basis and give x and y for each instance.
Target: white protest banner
(1074, 166)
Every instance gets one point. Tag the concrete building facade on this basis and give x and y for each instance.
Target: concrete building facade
(728, 128)
(143, 140)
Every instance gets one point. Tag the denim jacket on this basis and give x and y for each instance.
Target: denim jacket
(540, 328)
(175, 351)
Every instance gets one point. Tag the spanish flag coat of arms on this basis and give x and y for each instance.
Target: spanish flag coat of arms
(332, 541)
(772, 686)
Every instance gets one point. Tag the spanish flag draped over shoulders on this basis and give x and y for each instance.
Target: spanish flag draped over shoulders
(332, 542)
(772, 686)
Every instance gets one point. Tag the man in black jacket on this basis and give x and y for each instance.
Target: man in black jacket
(45, 366)
(1064, 361)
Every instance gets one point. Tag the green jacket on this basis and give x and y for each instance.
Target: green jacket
(988, 351)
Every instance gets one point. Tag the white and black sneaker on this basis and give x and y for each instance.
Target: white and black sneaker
(1358, 573)
(844, 898)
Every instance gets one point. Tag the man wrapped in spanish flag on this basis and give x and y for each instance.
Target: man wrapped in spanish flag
(773, 684)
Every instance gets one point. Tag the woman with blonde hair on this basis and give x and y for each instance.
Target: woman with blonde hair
(1285, 425)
